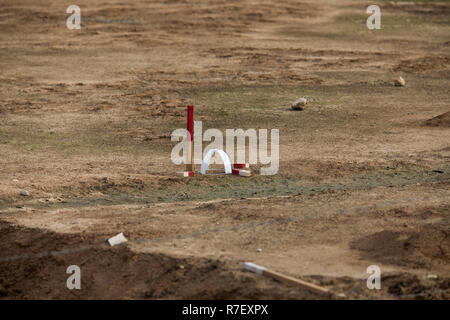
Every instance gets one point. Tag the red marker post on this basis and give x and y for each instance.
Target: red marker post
(190, 138)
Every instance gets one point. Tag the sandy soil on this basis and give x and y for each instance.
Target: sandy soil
(85, 123)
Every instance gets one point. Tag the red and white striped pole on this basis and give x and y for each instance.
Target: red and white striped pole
(190, 147)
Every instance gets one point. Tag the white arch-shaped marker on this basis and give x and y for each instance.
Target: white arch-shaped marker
(225, 159)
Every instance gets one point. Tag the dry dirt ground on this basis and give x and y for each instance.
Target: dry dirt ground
(85, 123)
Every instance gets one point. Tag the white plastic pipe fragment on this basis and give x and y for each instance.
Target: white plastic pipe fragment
(254, 268)
(225, 159)
(118, 239)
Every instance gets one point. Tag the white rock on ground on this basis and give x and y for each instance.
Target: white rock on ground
(400, 82)
(24, 193)
(299, 104)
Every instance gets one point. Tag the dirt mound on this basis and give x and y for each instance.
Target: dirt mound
(408, 286)
(442, 120)
(119, 273)
(417, 249)
(393, 286)
(34, 265)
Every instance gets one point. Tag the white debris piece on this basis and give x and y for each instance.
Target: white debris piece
(118, 239)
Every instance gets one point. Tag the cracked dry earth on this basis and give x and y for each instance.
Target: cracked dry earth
(85, 123)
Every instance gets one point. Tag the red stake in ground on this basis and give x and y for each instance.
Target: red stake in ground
(190, 129)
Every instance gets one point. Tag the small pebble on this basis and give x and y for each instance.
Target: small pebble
(24, 193)
(259, 249)
(432, 276)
